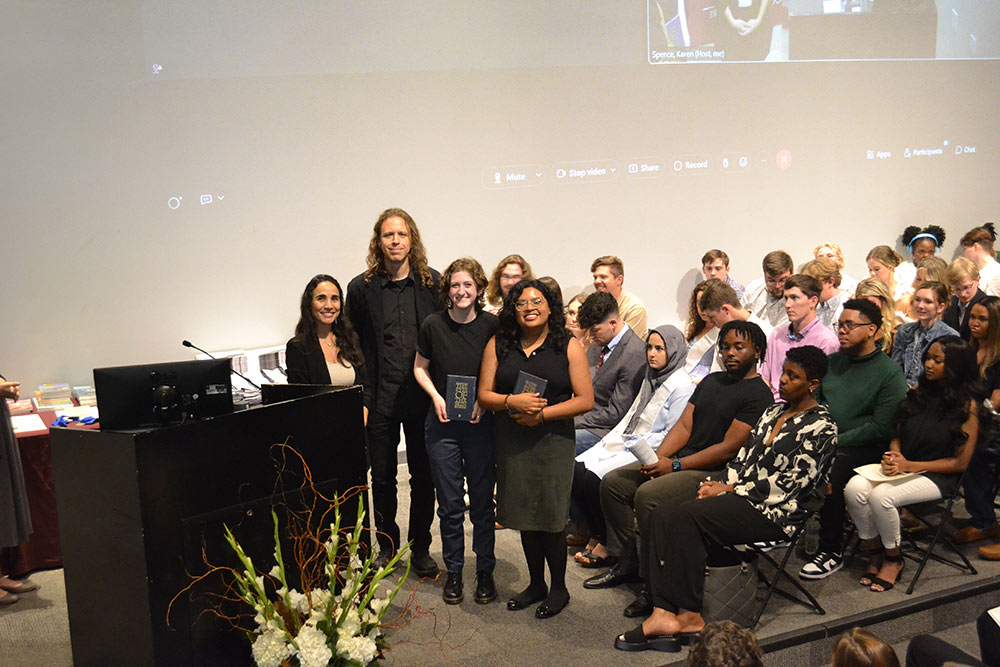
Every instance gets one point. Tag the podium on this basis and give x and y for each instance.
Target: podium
(139, 512)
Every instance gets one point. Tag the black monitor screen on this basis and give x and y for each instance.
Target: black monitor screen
(150, 395)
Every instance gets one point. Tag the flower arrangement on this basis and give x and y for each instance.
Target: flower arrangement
(336, 619)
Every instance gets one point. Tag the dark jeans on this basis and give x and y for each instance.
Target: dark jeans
(586, 501)
(831, 515)
(460, 451)
(383, 441)
(628, 498)
(978, 485)
(681, 537)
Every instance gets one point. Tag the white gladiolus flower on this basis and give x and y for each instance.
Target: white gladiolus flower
(270, 649)
(299, 602)
(275, 572)
(351, 624)
(360, 649)
(313, 649)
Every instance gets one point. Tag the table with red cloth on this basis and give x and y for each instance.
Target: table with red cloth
(42, 551)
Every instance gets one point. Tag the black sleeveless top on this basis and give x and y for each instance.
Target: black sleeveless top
(928, 436)
(545, 362)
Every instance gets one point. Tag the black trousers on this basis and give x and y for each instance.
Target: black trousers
(383, 441)
(928, 651)
(682, 536)
(587, 500)
(833, 512)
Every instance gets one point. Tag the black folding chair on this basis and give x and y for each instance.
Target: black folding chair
(771, 584)
(921, 554)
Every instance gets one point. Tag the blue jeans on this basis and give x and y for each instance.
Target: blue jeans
(460, 452)
(585, 440)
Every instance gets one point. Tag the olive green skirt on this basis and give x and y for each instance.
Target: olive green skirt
(534, 474)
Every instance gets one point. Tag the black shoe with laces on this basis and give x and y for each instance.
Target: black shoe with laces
(486, 590)
(452, 593)
(422, 565)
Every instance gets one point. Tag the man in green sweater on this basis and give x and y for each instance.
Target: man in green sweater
(862, 390)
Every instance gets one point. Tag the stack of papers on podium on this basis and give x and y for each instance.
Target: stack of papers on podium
(85, 395)
(22, 407)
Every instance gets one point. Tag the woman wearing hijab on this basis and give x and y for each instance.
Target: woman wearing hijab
(665, 392)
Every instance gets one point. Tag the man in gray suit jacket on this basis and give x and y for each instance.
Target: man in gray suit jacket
(617, 360)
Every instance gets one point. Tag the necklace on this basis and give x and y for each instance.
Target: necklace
(331, 341)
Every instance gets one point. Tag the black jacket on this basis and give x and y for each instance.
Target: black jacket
(306, 364)
(950, 315)
(367, 315)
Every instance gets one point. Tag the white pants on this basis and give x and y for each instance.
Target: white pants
(874, 507)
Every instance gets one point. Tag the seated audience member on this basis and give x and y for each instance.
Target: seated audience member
(461, 453)
(759, 496)
(511, 270)
(609, 276)
(701, 336)
(833, 251)
(929, 269)
(715, 264)
(977, 246)
(963, 279)
(665, 391)
(325, 349)
(803, 328)
(877, 292)
(936, 430)
(984, 324)
(573, 324)
(859, 648)
(913, 338)
(882, 263)
(831, 298)
(922, 243)
(764, 296)
(553, 285)
(929, 651)
(719, 304)
(713, 427)
(617, 361)
(725, 644)
(862, 390)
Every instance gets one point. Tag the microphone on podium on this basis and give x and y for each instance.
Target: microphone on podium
(187, 343)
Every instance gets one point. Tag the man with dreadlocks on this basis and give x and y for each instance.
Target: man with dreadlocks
(714, 425)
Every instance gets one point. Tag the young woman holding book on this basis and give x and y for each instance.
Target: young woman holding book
(535, 439)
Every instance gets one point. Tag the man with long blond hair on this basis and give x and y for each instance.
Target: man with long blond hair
(386, 304)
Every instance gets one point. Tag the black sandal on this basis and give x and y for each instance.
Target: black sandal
(868, 578)
(887, 585)
(636, 640)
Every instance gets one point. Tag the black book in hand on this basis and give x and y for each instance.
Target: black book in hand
(461, 396)
(526, 383)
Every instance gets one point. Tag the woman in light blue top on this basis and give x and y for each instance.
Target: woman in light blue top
(913, 338)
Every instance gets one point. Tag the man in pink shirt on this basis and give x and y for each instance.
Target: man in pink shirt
(802, 294)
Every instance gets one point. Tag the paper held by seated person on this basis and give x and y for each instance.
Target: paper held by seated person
(641, 450)
(873, 473)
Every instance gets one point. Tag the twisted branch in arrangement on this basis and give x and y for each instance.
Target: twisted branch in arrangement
(310, 533)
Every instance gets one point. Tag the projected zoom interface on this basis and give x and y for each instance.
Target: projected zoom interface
(781, 30)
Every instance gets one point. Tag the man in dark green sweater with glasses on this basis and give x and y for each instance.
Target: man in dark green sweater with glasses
(862, 390)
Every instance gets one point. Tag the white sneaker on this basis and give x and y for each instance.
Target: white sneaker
(769, 546)
(822, 566)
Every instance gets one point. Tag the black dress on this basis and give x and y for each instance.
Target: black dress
(535, 463)
(929, 436)
(15, 521)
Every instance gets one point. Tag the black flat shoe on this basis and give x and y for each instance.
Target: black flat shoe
(526, 598)
(611, 577)
(641, 607)
(452, 593)
(486, 590)
(635, 640)
(422, 565)
(553, 604)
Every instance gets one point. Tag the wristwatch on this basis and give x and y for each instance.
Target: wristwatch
(677, 464)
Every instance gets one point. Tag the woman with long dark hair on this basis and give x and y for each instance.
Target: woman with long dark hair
(324, 349)
(701, 336)
(937, 427)
(535, 438)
